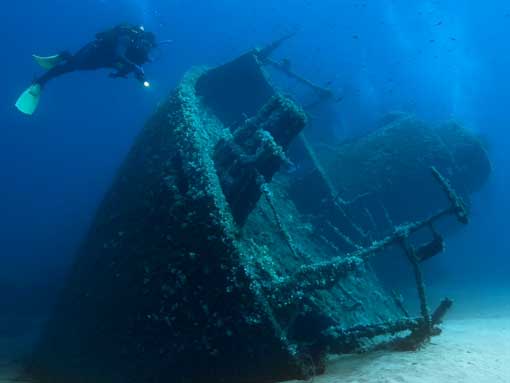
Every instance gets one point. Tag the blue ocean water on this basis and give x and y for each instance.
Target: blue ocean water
(439, 60)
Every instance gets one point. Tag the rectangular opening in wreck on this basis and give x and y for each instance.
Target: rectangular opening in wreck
(235, 91)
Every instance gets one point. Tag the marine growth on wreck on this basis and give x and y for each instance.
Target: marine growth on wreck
(209, 261)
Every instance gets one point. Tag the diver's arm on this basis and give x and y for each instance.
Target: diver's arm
(128, 65)
(128, 68)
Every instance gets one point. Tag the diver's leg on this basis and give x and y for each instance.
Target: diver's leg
(70, 63)
(54, 72)
(65, 56)
(91, 57)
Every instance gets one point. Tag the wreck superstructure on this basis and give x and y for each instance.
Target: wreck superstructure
(203, 265)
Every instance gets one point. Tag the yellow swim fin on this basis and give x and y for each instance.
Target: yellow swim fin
(29, 99)
(48, 62)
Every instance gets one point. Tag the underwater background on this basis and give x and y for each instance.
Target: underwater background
(438, 60)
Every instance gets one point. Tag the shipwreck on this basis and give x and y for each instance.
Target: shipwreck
(208, 263)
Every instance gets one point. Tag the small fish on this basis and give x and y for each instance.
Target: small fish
(439, 23)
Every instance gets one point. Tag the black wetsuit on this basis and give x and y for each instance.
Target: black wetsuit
(124, 49)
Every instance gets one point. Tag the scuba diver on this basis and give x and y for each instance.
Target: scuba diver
(124, 48)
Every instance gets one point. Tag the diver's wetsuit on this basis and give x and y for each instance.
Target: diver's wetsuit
(123, 48)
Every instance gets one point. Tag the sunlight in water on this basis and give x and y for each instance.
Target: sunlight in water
(143, 9)
(255, 191)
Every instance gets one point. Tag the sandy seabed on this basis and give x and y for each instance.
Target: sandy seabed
(474, 348)
(469, 351)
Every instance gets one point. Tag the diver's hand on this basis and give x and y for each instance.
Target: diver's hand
(143, 81)
(139, 74)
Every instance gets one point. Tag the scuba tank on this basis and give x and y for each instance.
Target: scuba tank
(140, 45)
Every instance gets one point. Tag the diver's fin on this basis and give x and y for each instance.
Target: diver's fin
(49, 61)
(28, 101)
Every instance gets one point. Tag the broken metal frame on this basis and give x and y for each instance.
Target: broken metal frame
(339, 340)
(263, 55)
(325, 275)
(334, 195)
